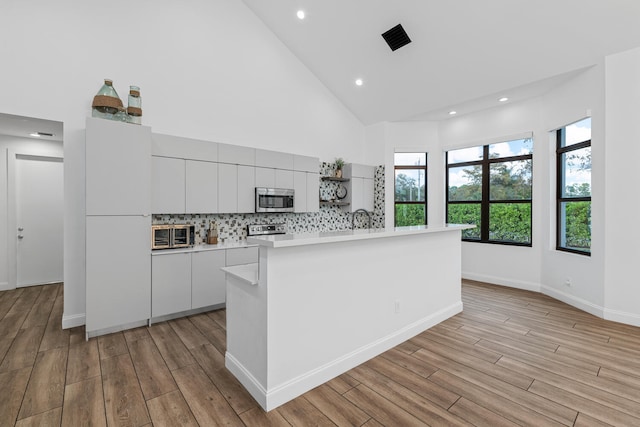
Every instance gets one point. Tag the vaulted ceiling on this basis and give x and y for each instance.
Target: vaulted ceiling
(464, 54)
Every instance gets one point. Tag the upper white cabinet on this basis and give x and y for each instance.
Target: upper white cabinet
(184, 148)
(236, 154)
(246, 189)
(118, 168)
(274, 159)
(265, 177)
(300, 188)
(227, 188)
(313, 192)
(168, 184)
(360, 187)
(201, 187)
(284, 178)
(306, 163)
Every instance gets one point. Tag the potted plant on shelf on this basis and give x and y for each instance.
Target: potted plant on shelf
(339, 163)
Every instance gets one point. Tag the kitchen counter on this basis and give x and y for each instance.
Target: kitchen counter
(288, 240)
(205, 247)
(319, 304)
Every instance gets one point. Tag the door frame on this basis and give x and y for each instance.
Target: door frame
(12, 205)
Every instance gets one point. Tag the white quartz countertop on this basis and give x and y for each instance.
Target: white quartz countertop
(288, 240)
(247, 273)
(204, 247)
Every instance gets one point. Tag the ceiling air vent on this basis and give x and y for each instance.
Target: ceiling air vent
(396, 37)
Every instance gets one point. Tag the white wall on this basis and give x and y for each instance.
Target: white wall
(622, 294)
(24, 146)
(207, 69)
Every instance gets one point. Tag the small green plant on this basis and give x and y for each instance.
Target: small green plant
(339, 163)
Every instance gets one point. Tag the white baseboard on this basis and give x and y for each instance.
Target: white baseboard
(4, 286)
(518, 284)
(73, 320)
(275, 396)
(622, 317)
(574, 301)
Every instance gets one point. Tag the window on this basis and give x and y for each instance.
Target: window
(410, 189)
(573, 208)
(490, 186)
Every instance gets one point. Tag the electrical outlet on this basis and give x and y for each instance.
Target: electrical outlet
(568, 282)
(397, 306)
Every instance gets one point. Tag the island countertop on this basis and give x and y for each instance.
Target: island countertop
(289, 240)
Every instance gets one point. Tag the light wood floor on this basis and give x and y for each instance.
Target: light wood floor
(511, 358)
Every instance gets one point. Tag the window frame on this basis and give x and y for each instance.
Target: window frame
(560, 186)
(485, 202)
(426, 180)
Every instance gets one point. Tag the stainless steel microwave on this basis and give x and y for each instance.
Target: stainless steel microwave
(274, 199)
(172, 236)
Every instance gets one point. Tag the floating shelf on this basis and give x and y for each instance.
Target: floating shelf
(333, 178)
(328, 203)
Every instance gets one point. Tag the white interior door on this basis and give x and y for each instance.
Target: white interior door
(39, 220)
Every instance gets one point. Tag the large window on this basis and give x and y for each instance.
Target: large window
(490, 186)
(410, 189)
(573, 156)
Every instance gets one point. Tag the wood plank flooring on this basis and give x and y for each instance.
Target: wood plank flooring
(511, 358)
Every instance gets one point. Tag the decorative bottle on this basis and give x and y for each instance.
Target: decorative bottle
(106, 103)
(134, 109)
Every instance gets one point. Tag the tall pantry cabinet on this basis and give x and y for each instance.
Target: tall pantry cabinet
(118, 224)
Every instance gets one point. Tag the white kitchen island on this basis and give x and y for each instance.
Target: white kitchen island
(317, 305)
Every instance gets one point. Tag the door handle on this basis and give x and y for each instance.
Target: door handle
(20, 236)
(20, 229)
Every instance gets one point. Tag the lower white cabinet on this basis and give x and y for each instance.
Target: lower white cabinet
(208, 286)
(171, 284)
(186, 281)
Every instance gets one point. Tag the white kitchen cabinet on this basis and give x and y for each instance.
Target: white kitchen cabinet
(118, 168)
(265, 177)
(306, 163)
(236, 154)
(227, 188)
(284, 179)
(201, 187)
(118, 272)
(313, 192)
(246, 189)
(274, 159)
(168, 184)
(183, 148)
(171, 284)
(208, 285)
(300, 188)
(239, 256)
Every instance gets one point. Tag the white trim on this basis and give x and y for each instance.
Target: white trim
(518, 284)
(574, 301)
(73, 320)
(632, 319)
(118, 328)
(4, 286)
(486, 141)
(275, 396)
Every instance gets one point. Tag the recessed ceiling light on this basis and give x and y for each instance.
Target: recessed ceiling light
(503, 99)
(300, 14)
(453, 113)
(359, 82)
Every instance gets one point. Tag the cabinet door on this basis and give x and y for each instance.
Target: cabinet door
(118, 168)
(300, 188)
(357, 189)
(274, 159)
(367, 194)
(246, 189)
(313, 192)
(168, 185)
(239, 256)
(201, 187)
(227, 188)
(170, 283)
(208, 283)
(118, 271)
(284, 178)
(265, 177)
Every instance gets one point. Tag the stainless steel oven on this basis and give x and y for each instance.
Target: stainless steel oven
(172, 236)
(274, 199)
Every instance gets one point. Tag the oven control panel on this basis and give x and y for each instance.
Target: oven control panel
(263, 229)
